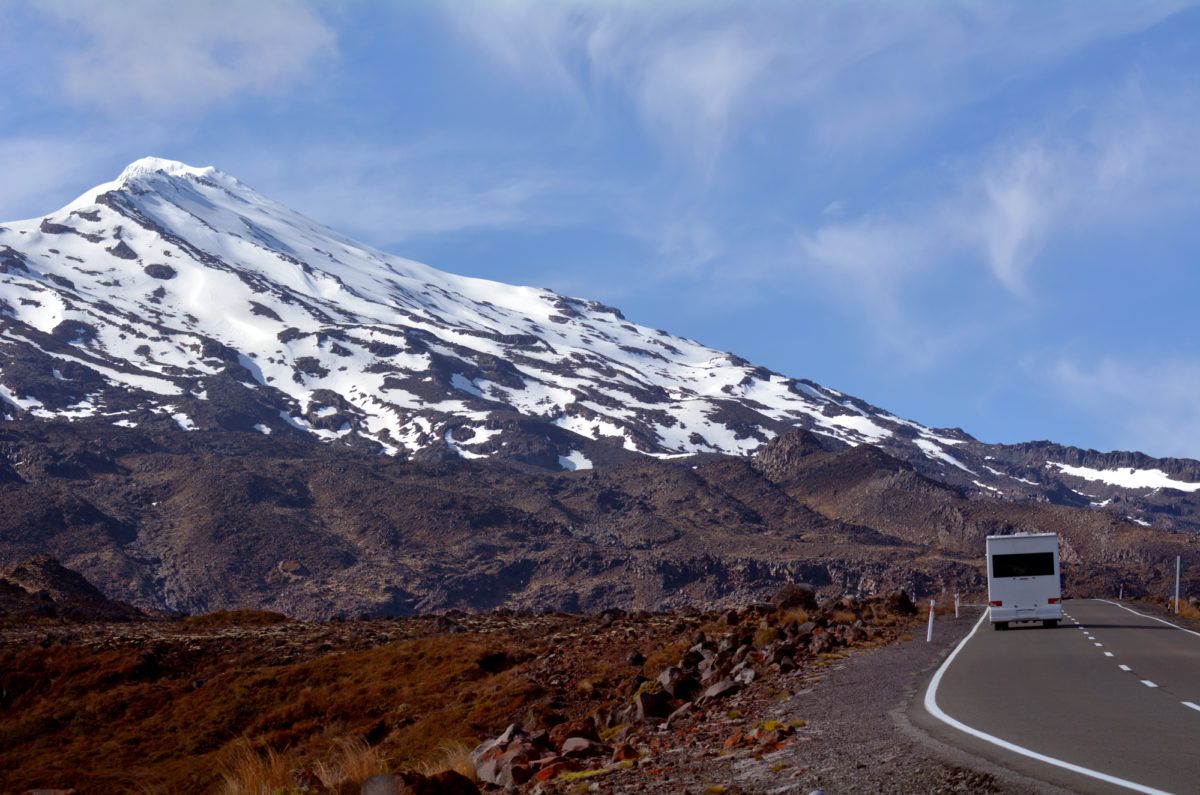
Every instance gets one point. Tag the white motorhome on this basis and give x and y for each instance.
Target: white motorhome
(1024, 583)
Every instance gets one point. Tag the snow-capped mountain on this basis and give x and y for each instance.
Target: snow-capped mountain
(178, 297)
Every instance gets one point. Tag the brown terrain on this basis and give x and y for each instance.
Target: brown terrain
(255, 702)
(795, 693)
(215, 521)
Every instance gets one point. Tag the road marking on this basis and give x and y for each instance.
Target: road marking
(1097, 644)
(931, 706)
(1108, 654)
(1148, 683)
(1190, 705)
(1152, 618)
(1124, 667)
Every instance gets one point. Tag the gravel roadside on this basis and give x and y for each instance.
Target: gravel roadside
(856, 737)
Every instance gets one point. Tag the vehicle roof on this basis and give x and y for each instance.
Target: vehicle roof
(1024, 535)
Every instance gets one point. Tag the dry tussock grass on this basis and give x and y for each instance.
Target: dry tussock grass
(1186, 609)
(797, 614)
(454, 756)
(159, 726)
(352, 762)
(248, 772)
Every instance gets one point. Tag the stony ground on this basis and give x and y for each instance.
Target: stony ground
(849, 739)
(747, 701)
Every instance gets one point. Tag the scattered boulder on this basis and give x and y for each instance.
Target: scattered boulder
(678, 683)
(584, 729)
(159, 271)
(580, 746)
(726, 687)
(122, 251)
(650, 705)
(795, 595)
(448, 782)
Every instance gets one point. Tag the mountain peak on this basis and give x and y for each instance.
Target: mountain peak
(148, 166)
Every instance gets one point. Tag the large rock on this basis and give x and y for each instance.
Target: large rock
(722, 689)
(795, 595)
(898, 601)
(585, 728)
(448, 782)
(678, 683)
(652, 705)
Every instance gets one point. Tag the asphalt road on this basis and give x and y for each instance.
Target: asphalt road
(1113, 694)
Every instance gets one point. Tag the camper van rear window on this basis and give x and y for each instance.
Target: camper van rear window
(1026, 564)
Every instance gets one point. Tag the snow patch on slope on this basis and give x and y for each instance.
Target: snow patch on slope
(574, 461)
(1127, 477)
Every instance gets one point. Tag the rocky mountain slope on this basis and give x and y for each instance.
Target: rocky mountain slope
(178, 299)
(42, 589)
(210, 401)
(194, 522)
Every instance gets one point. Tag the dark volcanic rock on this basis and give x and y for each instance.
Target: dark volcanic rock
(159, 271)
(122, 250)
(51, 589)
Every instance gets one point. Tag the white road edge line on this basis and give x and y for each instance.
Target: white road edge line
(931, 706)
(1191, 705)
(1148, 683)
(1152, 618)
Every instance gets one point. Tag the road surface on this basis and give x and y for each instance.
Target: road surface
(1109, 701)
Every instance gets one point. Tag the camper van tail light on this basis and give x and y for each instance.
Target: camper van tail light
(1053, 600)
(996, 603)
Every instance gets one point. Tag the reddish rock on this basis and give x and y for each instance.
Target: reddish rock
(553, 771)
(625, 753)
(448, 782)
(652, 705)
(580, 746)
(725, 687)
(585, 728)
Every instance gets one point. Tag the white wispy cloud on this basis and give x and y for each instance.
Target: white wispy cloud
(860, 74)
(1149, 402)
(1128, 166)
(155, 56)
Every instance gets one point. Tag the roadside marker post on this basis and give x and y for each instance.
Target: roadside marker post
(956, 605)
(929, 632)
(1177, 584)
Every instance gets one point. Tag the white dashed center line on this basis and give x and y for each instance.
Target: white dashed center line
(1148, 683)
(1190, 705)
(1097, 644)
(1123, 667)
(1108, 654)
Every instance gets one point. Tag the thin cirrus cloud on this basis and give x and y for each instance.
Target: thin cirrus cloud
(1151, 402)
(998, 210)
(186, 56)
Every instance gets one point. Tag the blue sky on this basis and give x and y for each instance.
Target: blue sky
(978, 214)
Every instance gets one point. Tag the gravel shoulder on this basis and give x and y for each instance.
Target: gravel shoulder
(857, 735)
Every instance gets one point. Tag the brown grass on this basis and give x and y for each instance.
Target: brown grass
(797, 614)
(1186, 609)
(351, 763)
(765, 636)
(226, 618)
(174, 721)
(249, 772)
(454, 756)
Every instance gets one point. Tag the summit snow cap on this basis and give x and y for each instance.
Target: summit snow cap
(148, 166)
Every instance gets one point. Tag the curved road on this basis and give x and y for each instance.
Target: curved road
(1109, 701)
